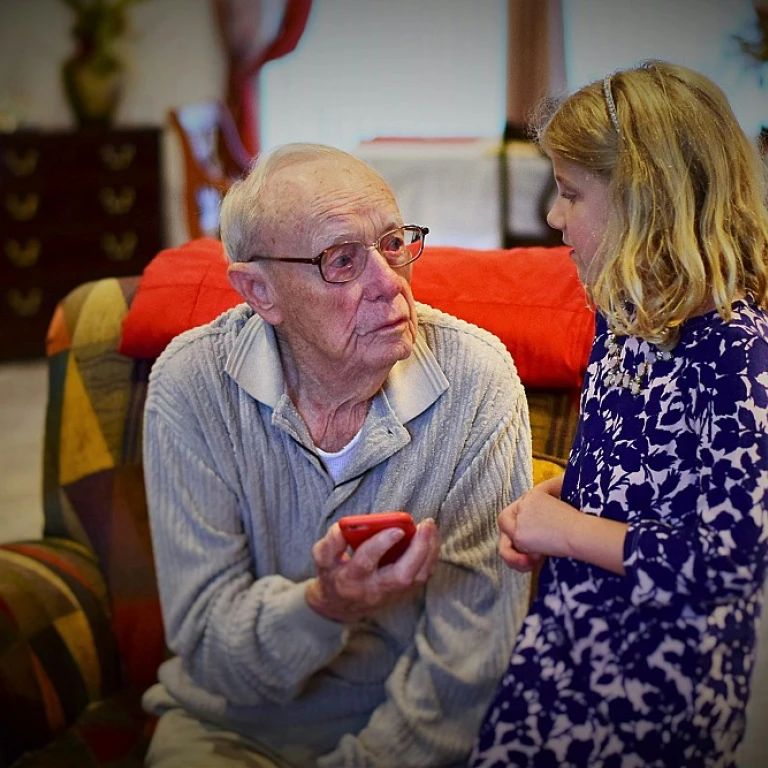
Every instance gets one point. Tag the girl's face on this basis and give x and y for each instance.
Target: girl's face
(580, 212)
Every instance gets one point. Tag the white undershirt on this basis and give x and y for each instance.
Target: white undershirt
(336, 462)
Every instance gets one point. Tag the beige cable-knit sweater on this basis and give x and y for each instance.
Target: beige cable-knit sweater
(238, 496)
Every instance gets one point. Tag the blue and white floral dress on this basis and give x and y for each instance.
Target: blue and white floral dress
(652, 668)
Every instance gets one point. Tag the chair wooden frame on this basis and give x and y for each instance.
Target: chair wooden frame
(229, 159)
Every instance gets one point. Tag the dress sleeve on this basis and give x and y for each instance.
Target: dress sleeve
(713, 550)
(253, 640)
(474, 607)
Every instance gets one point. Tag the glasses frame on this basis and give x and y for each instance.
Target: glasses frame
(318, 260)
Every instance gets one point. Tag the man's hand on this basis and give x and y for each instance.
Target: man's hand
(347, 588)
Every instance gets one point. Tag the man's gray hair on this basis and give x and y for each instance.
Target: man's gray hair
(248, 216)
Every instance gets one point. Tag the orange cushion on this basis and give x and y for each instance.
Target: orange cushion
(179, 289)
(530, 298)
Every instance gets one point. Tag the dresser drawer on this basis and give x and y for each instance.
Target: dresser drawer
(25, 312)
(74, 206)
(44, 155)
(104, 206)
(124, 247)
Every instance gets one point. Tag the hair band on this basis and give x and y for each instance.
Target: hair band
(611, 104)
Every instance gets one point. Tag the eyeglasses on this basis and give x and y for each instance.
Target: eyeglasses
(343, 262)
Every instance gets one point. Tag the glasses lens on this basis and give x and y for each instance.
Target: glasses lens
(343, 262)
(401, 246)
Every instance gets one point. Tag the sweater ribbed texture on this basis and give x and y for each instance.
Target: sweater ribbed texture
(237, 498)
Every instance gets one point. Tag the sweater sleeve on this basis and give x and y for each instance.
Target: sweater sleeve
(474, 606)
(253, 640)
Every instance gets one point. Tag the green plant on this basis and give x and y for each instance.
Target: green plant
(756, 48)
(98, 25)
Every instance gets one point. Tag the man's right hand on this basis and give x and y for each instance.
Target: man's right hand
(347, 588)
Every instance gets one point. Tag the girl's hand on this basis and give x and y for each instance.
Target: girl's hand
(537, 524)
(524, 562)
(553, 486)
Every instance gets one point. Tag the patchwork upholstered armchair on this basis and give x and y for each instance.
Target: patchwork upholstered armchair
(80, 624)
(80, 627)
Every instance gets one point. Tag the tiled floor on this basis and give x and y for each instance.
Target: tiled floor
(22, 411)
(23, 388)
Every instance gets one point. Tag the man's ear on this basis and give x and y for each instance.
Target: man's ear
(254, 286)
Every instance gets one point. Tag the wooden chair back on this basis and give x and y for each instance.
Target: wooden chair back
(213, 157)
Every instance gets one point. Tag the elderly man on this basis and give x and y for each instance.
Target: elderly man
(329, 392)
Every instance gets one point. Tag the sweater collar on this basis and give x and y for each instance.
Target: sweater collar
(412, 386)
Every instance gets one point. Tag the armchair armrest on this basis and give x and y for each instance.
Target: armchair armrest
(93, 482)
(57, 650)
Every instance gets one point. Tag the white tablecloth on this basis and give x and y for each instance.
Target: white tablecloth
(453, 187)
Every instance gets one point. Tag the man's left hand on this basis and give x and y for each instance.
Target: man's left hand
(349, 587)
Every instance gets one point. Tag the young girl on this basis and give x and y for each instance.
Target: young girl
(639, 647)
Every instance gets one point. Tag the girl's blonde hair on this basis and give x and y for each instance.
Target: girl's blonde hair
(689, 221)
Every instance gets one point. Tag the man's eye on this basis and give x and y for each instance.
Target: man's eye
(393, 243)
(341, 256)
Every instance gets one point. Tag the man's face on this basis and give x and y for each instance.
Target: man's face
(365, 325)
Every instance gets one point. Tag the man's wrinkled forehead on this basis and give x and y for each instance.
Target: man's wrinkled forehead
(306, 195)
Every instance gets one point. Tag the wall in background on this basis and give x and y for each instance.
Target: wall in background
(172, 52)
(415, 67)
(366, 68)
(603, 35)
(440, 63)
(394, 68)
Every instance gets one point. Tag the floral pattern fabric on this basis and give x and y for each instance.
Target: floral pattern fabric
(652, 668)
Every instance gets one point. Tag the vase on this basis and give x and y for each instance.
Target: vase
(93, 92)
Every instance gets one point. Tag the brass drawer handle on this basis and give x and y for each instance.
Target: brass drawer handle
(22, 208)
(24, 304)
(117, 158)
(115, 203)
(21, 164)
(23, 256)
(121, 249)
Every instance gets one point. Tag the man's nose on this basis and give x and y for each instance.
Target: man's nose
(379, 272)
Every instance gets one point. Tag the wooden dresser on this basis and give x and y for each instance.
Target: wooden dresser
(74, 206)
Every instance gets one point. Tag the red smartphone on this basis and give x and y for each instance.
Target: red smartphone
(357, 528)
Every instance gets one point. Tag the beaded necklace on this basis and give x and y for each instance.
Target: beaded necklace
(617, 376)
